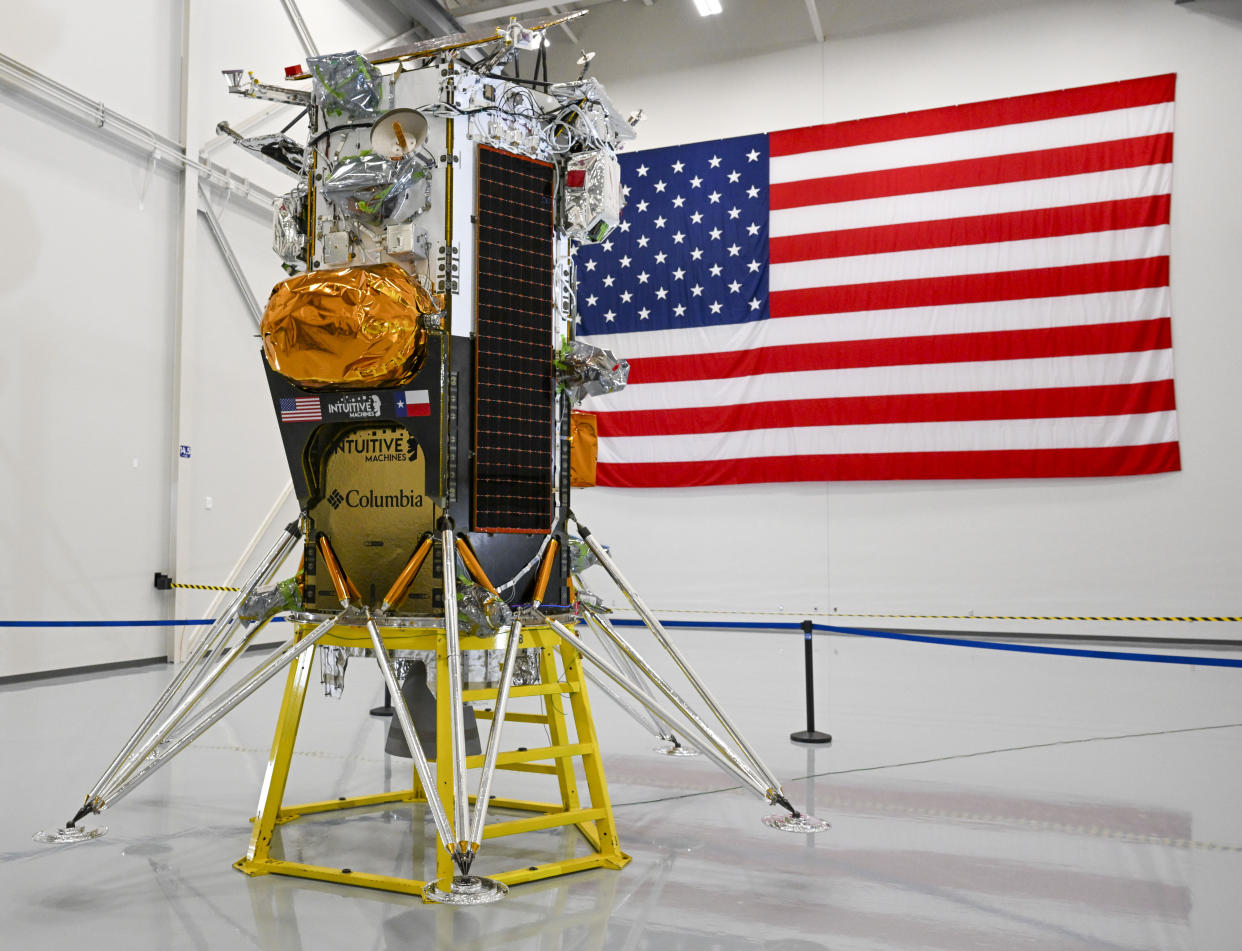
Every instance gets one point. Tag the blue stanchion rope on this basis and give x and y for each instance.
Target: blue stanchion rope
(776, 625)
(956, 642)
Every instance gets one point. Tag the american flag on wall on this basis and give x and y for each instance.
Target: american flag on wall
(980, 291)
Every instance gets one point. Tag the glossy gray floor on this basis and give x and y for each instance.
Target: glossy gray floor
(979, 799)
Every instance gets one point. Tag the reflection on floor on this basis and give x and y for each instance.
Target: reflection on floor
(978, 800)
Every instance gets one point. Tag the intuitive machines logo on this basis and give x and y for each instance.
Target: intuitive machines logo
(381, 448)
(353, 406)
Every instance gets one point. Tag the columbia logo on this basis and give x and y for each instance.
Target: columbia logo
(335, 499)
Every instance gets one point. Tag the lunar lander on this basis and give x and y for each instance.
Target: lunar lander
(423, 368)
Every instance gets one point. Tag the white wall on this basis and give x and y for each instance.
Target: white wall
(90, 296)
(85, 308)
(88, 304)
(1159, 545)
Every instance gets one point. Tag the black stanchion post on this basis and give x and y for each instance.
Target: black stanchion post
(386, 710)
(810, 734)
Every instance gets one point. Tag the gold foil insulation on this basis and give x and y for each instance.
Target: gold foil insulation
(583, 448)
(354, 328)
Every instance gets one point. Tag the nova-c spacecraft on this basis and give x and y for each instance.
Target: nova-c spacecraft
(423, 372)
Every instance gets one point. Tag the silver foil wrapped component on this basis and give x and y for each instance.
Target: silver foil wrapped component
(375, 188)
(482, 669)
(580, 556)
(270, 600)
(261, 604)
(589, 599)
(479, 669)
(591, 202)
(526, 667)
(332, 663)
(277, 150)
(481, 611)
(346, 84)
(584, 370)
(594, 117)
(289, 225)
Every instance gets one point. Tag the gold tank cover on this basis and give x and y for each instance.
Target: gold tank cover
(353, 328)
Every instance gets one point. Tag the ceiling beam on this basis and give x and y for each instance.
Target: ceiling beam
(505, 10)
(816, 27)
(299, 27)
(432, 15)
(573, 37)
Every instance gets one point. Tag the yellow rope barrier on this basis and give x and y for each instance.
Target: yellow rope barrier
(954, 617)
(925, 617)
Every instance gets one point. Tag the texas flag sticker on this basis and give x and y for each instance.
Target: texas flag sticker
(414, 403)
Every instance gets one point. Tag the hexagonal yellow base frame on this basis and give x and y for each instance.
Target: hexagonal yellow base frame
(595, 821)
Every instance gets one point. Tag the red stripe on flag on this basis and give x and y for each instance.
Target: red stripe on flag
(977, 115)
(973, 288)
(1143, 212)
(1123, 399)
(969, 173)
(1131, 336)
(997, 464)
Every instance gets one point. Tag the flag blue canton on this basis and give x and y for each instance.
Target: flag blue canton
(692, 246)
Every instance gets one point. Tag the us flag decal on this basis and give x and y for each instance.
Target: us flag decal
(300, 409)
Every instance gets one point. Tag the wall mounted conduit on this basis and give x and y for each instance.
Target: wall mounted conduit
(70, 102)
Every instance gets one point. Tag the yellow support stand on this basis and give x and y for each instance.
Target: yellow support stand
(572, 737)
